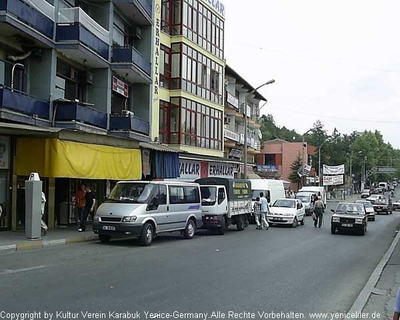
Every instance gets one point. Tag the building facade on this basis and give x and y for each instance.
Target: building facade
(75, 101)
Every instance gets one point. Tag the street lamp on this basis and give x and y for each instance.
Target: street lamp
(245, 124)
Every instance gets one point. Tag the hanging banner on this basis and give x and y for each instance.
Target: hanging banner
(332, 180)
(333, 169)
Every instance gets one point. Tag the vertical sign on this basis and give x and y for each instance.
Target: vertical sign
(155, 111)
(4, 152)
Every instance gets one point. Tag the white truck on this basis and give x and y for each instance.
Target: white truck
(225, 202)
(305, 194)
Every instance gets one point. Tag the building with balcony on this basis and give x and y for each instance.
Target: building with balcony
(76, 96)
(189, 85)
(241, 101)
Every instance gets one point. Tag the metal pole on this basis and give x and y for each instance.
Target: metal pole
(351, 173)
(319, 166)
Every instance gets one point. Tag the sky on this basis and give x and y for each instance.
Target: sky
(333, 61)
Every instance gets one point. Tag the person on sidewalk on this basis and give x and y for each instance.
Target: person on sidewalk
(264, 211)
(43, 224)
(319, 212)
(396, 314)
(90, 202)
(79, 201)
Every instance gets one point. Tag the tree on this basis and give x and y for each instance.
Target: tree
(295, 166)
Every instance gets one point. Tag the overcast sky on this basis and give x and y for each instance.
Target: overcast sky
(336, 61)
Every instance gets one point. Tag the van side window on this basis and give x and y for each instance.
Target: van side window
(183, 194)
(221, 195)
(163, 194)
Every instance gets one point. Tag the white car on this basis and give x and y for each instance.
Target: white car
(286, 212)
(396, 205)
(365, 193)
(373, 197)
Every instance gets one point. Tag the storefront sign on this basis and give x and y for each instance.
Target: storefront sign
(157, 48)
(222, 170)
(332, 180)
(217, 5)
(267, 168)
(189, 170)
(146, 162)
(333, 169)
(120, 87)
(236, 153)
(232, 100)
(231, 135)
(4, 152)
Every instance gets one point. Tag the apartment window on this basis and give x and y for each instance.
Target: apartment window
(118, 36)
(165, 67)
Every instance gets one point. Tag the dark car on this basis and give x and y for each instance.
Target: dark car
(383, 206)
(349, 217)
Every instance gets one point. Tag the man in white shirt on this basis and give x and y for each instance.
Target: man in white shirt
(264, 211)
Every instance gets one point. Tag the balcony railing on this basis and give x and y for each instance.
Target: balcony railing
(131, 55)
(78, 112)
(38, 14)
(21, 102)
(129, 123)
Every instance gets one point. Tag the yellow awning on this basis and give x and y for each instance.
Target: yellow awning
(65, 159)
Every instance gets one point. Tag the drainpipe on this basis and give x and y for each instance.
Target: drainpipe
(14, 59)
(13, 71)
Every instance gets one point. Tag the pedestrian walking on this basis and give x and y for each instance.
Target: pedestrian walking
(43, 224)
(264, 211)
(79, 201)
(257, 212)
(318, 212)
(90, 202)
(396, 314)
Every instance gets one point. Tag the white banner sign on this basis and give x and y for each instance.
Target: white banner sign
(332, 180)
(333, 169)
(189, 170)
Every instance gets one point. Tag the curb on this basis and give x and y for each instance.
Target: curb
(45, 243)
(365, 293)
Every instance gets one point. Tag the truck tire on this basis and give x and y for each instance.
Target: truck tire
(240, 223)
(221, 229)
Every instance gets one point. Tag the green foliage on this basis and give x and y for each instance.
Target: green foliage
(294, 177)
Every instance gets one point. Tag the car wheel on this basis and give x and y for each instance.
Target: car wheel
(147, 235)
(295, 222)
(363, 231)
(221, 229)
(104, 238)
(333, 230)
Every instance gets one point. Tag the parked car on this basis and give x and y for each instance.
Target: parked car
(287, 212)
(396, 205)
(373, 197)
(365, 193)
(369, 208)
(349, 217)
(383, 206)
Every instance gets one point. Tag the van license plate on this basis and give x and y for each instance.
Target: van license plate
(349, 225)
(111, 228)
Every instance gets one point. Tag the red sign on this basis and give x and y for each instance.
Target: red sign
(120, 87)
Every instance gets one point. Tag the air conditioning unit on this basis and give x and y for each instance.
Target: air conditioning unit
(127, 113)
(135, 32)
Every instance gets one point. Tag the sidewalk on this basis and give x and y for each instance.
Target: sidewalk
(379, 294)
(12, 241)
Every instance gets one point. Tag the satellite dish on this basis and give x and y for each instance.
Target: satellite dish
(259, 133)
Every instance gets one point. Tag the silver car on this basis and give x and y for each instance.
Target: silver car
(369, 208)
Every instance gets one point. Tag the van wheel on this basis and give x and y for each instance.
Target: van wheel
(147, 235)
(240, 224)
(190, 229)
(221, 229)
(104, 238)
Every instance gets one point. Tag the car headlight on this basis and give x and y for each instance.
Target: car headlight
(335, 219)
(129, 219)
(96, 217)
(359, 221)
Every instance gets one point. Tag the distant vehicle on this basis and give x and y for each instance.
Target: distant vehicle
(317, 191)
(369, 208)
(144, 209)
(305, 198)
(383, 206)
(383, 186)
(349, 217)
(365, 193)
(373, 197)
(287, 212)
(396, 205)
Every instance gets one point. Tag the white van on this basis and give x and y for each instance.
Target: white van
(145, 209)
(272, 189)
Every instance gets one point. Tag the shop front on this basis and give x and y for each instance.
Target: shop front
(63, 166)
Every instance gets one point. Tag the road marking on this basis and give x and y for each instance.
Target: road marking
(11, 271)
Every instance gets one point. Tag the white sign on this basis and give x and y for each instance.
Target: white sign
(333, 169)
(221, 170)
(189, 170)
(231, 135)
(332, 180)
(232, 100)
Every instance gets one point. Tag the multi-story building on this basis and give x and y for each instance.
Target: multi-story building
(240, 95)
(76, 90)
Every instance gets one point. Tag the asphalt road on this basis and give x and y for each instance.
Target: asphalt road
(280, 270)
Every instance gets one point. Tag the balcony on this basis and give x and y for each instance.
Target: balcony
(140, 10)
(127, 60)
(76, 28)
(37, 14)
(79, 113)
(128, 124)
(14, 104)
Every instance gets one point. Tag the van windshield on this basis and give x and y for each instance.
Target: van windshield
(303, 197)
(131, 192)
